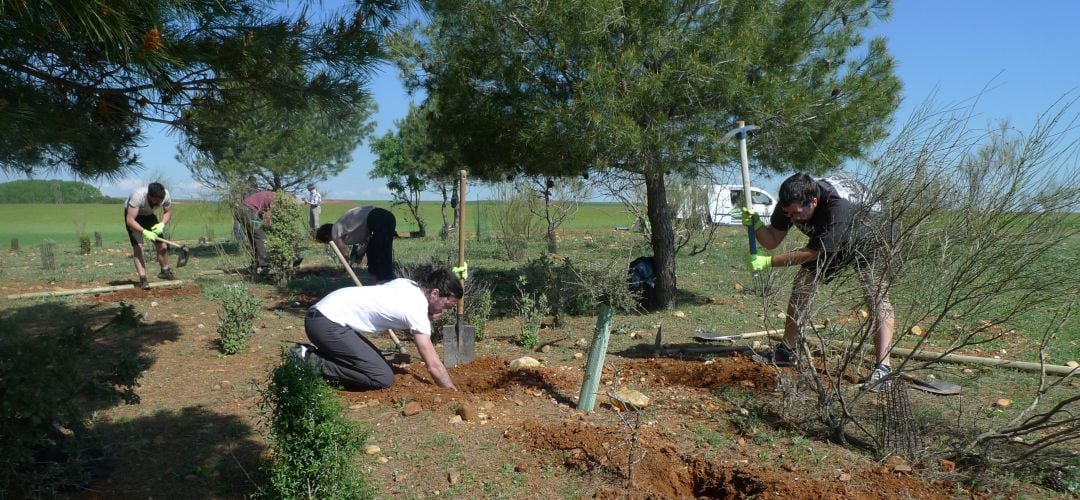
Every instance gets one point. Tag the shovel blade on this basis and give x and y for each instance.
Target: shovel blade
(459, 344)
(182, 259)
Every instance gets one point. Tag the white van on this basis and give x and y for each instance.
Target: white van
(722, 198)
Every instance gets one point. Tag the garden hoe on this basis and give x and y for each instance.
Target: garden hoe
(398, 347)
(459, 340)
(181, 260)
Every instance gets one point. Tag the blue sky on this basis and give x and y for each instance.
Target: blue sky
(1017, 57)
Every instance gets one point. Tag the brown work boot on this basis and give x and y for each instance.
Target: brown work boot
(166, 274)
(144, 283)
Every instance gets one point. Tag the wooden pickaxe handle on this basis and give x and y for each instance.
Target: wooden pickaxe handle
(344, 262)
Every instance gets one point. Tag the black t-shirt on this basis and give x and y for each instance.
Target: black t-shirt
(830, 228)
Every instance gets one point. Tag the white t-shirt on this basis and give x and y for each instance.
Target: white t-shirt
(399, 304)
(138, 200)
(351, 227)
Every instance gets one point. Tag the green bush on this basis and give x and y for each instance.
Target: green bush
(315, 446)
(562, 285)
(239, 310)
(533, 307)
(285, 235)
(480, 312)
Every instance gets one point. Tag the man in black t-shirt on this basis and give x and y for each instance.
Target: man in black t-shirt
(839, 238)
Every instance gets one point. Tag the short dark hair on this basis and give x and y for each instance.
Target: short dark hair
(442, 279)
(324, 233)
(156, 190)
(798, 188)
(311, 186)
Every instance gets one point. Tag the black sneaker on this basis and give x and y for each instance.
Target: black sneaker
(878, 379)
(296, 262)
(298, 352)
(262, 271)
(166, 274)
(301, 352)
(781, 355)
(144, 283)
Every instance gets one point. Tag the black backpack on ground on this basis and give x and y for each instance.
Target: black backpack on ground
(641, 279)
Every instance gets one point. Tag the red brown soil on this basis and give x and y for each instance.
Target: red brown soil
(178, 438)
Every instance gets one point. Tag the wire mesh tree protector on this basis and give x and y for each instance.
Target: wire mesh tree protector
(897, 429)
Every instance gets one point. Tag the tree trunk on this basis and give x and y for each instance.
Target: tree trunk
(552, 241)
(663, 238)
(444, 231)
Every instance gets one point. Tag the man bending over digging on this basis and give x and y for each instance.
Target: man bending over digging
(143, 225)
(839, 239)
(336, 325)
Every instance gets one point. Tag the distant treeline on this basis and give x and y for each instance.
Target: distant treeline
(33, 191)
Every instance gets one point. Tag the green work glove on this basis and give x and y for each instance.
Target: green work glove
(149, 235)
(462, 271)
(748, 216)
(758, 262)
(158, 228)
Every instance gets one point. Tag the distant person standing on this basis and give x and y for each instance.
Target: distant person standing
(314, 203)
(256, 208)
(143, 225)
(372, 230)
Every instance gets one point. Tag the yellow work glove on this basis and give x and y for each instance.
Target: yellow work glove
(748, 217)
(462, 271)
(759, 262)
(149, 235)
(158, 228)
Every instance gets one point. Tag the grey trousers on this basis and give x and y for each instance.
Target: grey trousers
(345, 355)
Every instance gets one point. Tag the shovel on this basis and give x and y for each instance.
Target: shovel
(398, 347)
(181, 260)
(459, 340)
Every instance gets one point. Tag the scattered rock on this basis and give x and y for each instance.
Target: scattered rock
(153, 303)
(864, 314)
(468, 412)
(200, 325)
(582, 343)
(546, 348)
(357, 406)
(947, 465)
(523, 363)
(781, 315)
(372, 449)
(411, 408)
(453, 477)
(225, 384)
(1072, 364)
(844, 476)
(739, 287)
(1003, 403)
(456, 419)
(916, 330)
(680, 314)
(579, 355)
(383, 460)
(626, 398)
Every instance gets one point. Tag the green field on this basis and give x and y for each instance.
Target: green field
(33, 224)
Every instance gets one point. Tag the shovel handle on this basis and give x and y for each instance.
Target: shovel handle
(461, 233)
(333, 246)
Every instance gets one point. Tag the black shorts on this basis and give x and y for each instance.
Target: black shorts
(830, 266)
(146, 221)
